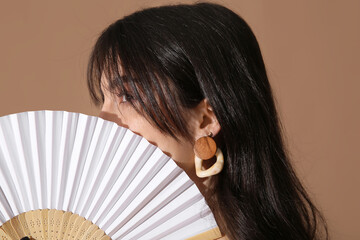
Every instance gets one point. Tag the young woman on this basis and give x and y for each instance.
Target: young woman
(186, 76)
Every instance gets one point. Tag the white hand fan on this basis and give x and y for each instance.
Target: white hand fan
(94, 171)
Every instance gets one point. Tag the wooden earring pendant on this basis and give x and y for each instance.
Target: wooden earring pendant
(204, 149)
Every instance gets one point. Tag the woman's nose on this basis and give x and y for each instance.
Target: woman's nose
(103, 114)
(109, 116)
(107, 111)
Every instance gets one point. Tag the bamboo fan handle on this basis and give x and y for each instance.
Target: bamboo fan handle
(50, 224)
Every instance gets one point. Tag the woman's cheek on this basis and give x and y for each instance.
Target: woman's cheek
(134, 121)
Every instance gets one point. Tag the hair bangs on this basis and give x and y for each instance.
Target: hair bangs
(131, 69)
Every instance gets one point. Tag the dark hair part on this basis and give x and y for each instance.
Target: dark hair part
(172, 58)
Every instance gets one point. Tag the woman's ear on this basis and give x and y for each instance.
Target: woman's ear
(205, 120)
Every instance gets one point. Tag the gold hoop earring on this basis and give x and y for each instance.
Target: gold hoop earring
(204, 149)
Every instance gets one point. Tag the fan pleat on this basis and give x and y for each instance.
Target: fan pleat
(37, 143)
(162, 206)
(103, 167)
(109, 183)
(33, 151)
(53, 138)
(22, 162)
(133, 199)
(12, 169)
(23, 137)
(5, 208)
(96, 149)
(95, 171)
(66, 147)
(188, 216)
(81, 147)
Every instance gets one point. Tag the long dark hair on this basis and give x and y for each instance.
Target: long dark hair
(173, 57)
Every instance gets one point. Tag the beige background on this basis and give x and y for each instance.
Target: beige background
(311, 50)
